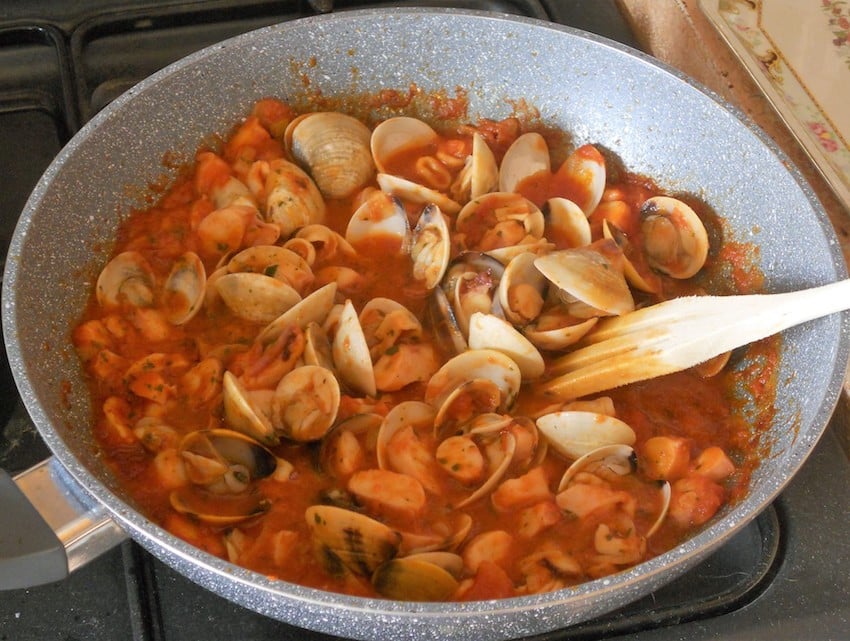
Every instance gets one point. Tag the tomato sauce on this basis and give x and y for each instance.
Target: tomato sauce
(146, 371)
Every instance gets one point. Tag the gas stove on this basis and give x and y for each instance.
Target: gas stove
(780, 578)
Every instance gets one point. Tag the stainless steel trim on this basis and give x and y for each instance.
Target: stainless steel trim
(82, 525)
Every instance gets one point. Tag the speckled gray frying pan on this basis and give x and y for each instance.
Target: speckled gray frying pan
(649, 116)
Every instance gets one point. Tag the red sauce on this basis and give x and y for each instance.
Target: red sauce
(702, 411)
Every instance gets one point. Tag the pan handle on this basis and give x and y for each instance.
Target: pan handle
(49, 527)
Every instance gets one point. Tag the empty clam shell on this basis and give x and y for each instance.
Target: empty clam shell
(470, 399)
(397, 135)
(274, 261)
(218, 509)
(566, 223)
(224, 461)
(575, 433)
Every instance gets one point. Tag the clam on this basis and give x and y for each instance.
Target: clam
(317, 347)
(666, 494)
(633, 269)
(217, 509)
(575, 433)
(328, 244)
(385, 323)
(566, 223)
(305, 403)
(277, 262)
(414, 578)
(243, 413)
(490, 332)
(225, 461)
(480, 173)
(471, 284)
(292, 200)
(221, 465)
(381, 216)
(442, 536)
(581, 178)
(399, 135)
(527, 156)
(350, 540)
(350, 445)
(615, 459)
(675, 240)
(255, 297)
(555, 329)
(468, 400)
(310, 309)
(590, 279)
(413, 192)
(500, 224)
(521, 290)
(441, 319)
(127, 278)
(408, 414)
(431, 248)
(500, 454)
(184, 289)
(334, 148)
(350, 352)
(472, 364)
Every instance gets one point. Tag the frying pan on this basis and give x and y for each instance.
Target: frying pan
(653, 119)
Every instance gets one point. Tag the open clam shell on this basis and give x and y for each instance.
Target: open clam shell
(576, 433)
(480, 174)
(522, 289)
(350, 539)
(566, 223)
(414, 578)
(413, 192)
(126, 278)
(255, 297)
(184, 289)
(432, 247)
(350, 352)
(225, 461)
(293, 199)
(475, 363)
(581, 177)
(675, 239)
(527, 156)
(311, 309)
(397, 135)
(589, 278)
(305, 403)
(615, 459)
(490, 332)
(242, 414)
(381, 216)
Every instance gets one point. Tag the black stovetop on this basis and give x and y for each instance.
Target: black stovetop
(782, 578)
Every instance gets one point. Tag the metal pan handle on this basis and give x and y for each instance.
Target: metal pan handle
(49, 528)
